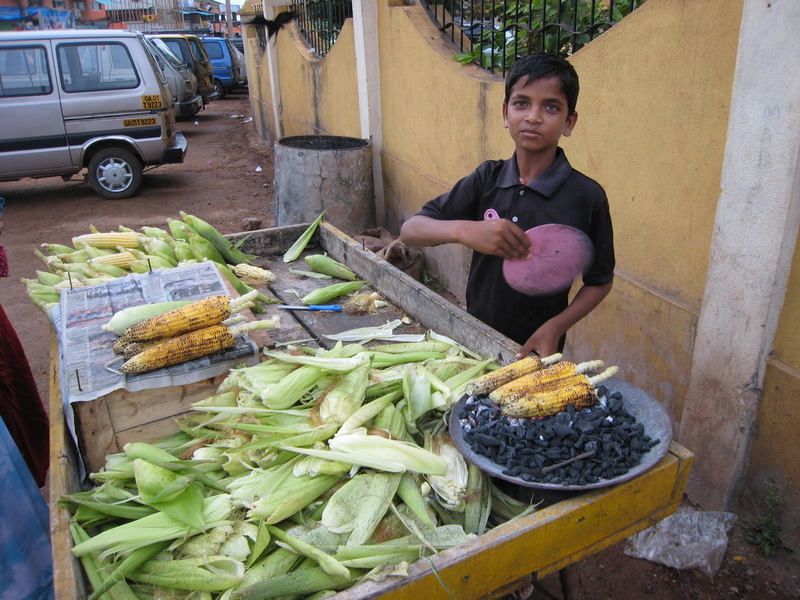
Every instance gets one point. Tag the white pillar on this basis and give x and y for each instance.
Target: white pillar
(365, 27)
(755, 232)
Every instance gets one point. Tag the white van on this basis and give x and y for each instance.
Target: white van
(93, 99)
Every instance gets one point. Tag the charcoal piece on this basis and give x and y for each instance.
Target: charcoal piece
(563, 430)
(486, 440)
(553, 453)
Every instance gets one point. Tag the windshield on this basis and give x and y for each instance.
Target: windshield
(166, 52)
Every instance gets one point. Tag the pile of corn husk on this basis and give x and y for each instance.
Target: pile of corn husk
(302, 475)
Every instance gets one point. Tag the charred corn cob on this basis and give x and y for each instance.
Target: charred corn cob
(494, 379)
(188, 346)
(194, 316)
(556, 376)
(582, 394)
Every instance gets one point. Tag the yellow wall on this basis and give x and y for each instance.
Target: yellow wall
(653, 110)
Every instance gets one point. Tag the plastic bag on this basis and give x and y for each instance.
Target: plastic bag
(687, 539)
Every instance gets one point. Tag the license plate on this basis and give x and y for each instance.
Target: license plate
(151, 101)
(139, 122)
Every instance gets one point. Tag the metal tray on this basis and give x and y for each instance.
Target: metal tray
(645, 408)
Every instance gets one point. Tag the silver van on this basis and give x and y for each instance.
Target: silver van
(84, 99)
(180, 78)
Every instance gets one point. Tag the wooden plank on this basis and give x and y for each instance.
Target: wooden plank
(68, 580)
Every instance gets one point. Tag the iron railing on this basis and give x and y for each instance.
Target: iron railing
(320, 21)
(490, 33)
(494, 33)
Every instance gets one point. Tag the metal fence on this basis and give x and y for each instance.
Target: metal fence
(320, 21)
(494, 33)
(490, 33)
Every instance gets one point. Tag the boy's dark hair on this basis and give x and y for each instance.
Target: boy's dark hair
(543, 64)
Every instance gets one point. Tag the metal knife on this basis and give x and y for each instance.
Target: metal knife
(334, 307)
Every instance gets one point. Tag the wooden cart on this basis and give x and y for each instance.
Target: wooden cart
(486, 567)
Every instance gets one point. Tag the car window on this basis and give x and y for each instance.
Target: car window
(214, 50)
(24, 71)
(197, 48)
(166, 52)
(175, 46)
(91, 67)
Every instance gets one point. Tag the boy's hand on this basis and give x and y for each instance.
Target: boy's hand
(498, 237)
(543, 342)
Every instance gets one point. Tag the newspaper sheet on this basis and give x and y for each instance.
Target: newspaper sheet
(85, 349)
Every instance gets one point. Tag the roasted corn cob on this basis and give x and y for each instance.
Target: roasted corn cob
(556, 376)
(494, 379)
(188, 346)
(194, 316)
(582, 394)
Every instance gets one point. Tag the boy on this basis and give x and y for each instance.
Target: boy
(536, 186)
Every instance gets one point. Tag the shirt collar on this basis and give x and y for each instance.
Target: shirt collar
(546, 184)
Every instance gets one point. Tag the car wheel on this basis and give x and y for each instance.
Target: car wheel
(219, 90)
(115, 173)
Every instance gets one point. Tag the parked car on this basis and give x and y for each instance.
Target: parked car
(227, 66)
(94, 99)
(190, 49)
(180, 78)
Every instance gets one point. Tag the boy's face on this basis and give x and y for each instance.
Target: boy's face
(536, 114)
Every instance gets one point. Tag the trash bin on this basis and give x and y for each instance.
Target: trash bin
(315, 173)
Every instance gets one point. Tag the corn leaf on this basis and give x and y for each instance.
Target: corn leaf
(296, 249)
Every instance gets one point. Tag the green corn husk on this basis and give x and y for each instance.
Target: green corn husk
(295, 584)
(367, 412)
(359, 505)
(224, 246)
(326, 265)
(174, 495)
(346, 396)
(410, 493)
(204, 573)
(299, 492)
(328, 564)
(296, 249)
(98, 571)
(329, 292)
(450, 488)
(153, 528)
(477, 501)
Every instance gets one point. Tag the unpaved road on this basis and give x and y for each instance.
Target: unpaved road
(219, 182)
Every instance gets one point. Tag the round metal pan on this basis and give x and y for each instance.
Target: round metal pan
(645, 408)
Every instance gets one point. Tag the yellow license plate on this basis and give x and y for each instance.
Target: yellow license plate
(139, 122)
(152, 101)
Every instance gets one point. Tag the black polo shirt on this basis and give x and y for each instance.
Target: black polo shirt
(559, 195)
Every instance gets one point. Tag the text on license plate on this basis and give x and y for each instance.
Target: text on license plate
(139, 122)
(151, 101)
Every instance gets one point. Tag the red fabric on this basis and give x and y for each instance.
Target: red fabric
(3, 262)
(20, 404)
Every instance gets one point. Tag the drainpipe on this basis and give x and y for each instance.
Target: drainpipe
(272, 68)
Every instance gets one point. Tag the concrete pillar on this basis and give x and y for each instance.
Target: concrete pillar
(755, 231)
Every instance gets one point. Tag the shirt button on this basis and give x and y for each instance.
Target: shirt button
(514, 219)
(522, 192)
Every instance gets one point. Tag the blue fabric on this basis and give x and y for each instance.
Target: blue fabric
(26, 568)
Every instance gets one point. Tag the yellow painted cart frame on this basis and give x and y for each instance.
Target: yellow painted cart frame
(542, 543)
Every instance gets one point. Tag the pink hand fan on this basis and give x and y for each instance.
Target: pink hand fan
(558, 254)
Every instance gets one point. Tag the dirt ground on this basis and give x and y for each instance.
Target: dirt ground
(227, 177)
